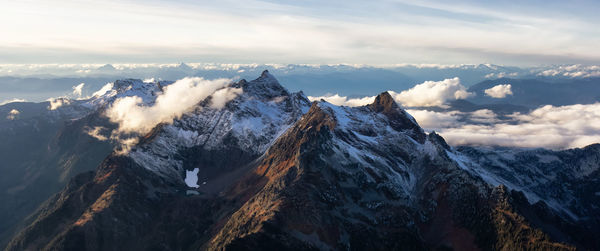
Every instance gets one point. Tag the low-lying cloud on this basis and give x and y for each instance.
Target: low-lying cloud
(432, 93)
(133, 116)
(553, 127)
(96, 132)
(428, 93)
(56, 103)
(499, 91)
(571, 71)
(343, 100)
(13, 114)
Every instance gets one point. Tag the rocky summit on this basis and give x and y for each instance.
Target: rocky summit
(273, 171)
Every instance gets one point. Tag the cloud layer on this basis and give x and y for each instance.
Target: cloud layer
(342, 100)
(428, 93)
(548, 127)
(554, 127)
(337, 31)
(499, 91)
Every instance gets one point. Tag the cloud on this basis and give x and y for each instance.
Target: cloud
(502, 75)
(12, 101)
(435, 120)
(432, 93)
(553, 127)
(135, 117)
(55, 103)
(428, 93)
(343, 100)
(499, 91)
(78, 89)
(569, 71)
(96, 132)
(222, 96)
(13, 114)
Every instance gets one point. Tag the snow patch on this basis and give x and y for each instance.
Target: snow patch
(191, 178)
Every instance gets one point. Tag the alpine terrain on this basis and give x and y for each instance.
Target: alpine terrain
(273, 171)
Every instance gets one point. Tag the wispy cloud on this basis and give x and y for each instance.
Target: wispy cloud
(332, 32)
(135, 117)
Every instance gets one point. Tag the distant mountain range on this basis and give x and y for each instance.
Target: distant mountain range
(273, 171)
(40, 82)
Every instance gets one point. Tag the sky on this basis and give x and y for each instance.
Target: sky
(374, 32)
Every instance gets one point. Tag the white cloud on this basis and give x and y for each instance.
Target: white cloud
(483, 116)
(13, 114)
(222, 96)
(435, 120)
(135, 117)
(432, 93)
(548, 127)
(569, 71)
(55, 103)
(499, 91)
(78, 89)
(343, 100)
(96, 133)
(428, 93)
(502, 75)
(12, 101)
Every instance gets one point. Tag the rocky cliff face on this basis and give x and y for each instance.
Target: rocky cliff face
(273, 171)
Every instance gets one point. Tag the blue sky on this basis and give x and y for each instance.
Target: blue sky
(315, 32)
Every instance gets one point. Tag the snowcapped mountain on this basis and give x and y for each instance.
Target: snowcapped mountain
(272, 171)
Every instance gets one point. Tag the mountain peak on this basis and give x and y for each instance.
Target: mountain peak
(399, 119)
(106, 67)
(267, 77)
(383, 103)
(266, 85)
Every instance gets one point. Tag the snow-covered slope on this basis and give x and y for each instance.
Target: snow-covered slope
(249, 123)
(556, 178)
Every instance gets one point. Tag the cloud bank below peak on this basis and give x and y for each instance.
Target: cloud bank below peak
(553, 127)
(428, 93)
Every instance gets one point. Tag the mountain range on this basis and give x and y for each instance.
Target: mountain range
(273, 171)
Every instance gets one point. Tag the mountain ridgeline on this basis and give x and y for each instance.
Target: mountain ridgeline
(274, 171)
